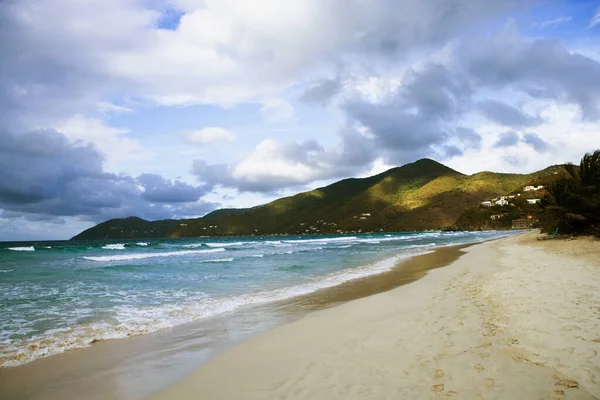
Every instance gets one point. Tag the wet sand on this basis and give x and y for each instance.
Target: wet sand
(515, 318)
(137, 367)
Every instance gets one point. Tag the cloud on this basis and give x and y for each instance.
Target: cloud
(541, 68)
(213, 52)
(114, 143)
(507, 139)
(595, 19)
(517, 161)
(420, 118)
(322, 91)
(551, 22)
(45, 176)
(277, 111)
(210, 135)
(274, 166)
(160, 190)
(538, 144)
(507, 115)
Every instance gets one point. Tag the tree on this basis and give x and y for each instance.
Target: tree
(577, 199)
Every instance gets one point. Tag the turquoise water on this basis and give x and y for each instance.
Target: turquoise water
(62, 295)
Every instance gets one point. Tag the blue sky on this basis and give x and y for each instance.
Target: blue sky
(170, 109)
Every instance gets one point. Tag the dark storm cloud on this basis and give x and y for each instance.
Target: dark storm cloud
(322, 91)
(542, 68)
(43, 174)
(538, 144)
(418, 120)
(506, 115)
(507, 139)
(160, 190)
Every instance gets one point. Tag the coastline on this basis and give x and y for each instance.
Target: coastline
(511, 318)
(97, 371)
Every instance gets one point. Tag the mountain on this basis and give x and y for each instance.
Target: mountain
(128, 228)
(418, 196)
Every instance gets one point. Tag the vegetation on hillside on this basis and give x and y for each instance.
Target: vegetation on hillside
(418, 196)
(128, 228)
(573, 204)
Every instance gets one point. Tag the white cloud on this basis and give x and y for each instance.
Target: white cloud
(596, 19)
(277, 111)
(117, 148)
(269, 161)
(106, 107)
(552, 22)
(210, 135)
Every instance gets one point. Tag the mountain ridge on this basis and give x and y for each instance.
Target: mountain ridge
(421, 195)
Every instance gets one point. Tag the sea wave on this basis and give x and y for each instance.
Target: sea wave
(4, 271)
(116, 246)
(217, 260)
(26, 248)
(133, 321)
(323, 240)
(142, 243)
(140, 256)
(227, 244)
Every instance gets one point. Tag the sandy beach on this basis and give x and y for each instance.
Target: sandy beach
(515, 318)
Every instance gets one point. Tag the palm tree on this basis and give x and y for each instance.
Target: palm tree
(578, 198)
(588, 172)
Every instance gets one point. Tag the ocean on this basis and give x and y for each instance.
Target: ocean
(62, 295)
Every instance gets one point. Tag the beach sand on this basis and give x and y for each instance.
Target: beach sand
(515, 318)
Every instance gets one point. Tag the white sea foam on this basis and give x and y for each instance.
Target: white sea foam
(193, 245)
(324, 240)
(140, 256)
(117, 246)
(227, 244)
(6, 270)
(132, 320)
(27, 248)
(218, 260)
(142, 243)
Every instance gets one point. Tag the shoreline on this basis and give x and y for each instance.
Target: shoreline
(30, 380)
(511, 318)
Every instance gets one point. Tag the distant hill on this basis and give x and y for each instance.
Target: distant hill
(418, 196)
(128, 228)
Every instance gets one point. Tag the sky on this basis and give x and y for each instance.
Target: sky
(173, 108)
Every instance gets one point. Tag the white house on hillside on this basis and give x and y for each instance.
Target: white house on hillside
(533, 201)
(501, 202)
(486, 203)
(532, 188)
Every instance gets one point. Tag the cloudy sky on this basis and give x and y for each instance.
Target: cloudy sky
(172, 108)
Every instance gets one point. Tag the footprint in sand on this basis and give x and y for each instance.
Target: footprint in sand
(490, 383)
(438, 387)
(439, 373)
(589, 354)
(568, 383)
(479, 368)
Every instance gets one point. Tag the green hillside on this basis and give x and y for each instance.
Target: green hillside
(417, 196)
(128, 228)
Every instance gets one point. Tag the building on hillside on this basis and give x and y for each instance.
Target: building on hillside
(501, 202)
(486, 204)
(495, 217)
(365, 214)
(532, 188)
(533, 201)
(522, 223)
